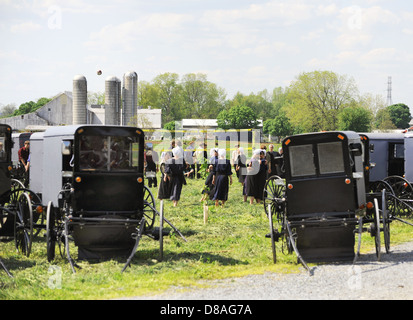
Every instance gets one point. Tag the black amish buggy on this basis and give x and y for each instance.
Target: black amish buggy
(322, 203)
(391, 169)
(18, 205)
(103, 204)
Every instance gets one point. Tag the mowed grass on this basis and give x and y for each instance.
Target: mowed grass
(231, 244)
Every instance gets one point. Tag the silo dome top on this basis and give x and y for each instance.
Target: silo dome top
(79, 77)
(112, 78)
(131, 74)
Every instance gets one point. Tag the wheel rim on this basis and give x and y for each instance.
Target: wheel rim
(50, 236)
(24, 225)
(148, 208)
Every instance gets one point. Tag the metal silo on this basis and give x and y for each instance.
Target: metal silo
(112, 100)
(130, 97)
(79, 99)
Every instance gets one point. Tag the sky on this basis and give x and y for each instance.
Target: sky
(241, 45)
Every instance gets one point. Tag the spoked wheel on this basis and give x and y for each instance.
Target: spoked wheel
(391, 201)
(403, 191)
(376, 228)
(23, 227)
(149, 210)
(50, 232)
(274, 189)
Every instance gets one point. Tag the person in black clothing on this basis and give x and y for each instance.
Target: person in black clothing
(271, 161)
(261, 177)
(174, 169)
(241, 169)
(164, 191)
(222, 178)
(150, 170)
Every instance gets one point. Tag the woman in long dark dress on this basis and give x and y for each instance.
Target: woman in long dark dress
(222, 178)
(251, 180)
(164, 186)
(261, 177)
(174, 170)
(241, 169)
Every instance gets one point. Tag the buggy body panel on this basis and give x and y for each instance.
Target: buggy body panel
(387, 155)
(324, 175)
(5, 158)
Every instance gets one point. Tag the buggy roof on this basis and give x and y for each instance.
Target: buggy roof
(351, 135)
(385, 136)
(71, 129)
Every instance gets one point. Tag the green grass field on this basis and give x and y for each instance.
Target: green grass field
(231, 244)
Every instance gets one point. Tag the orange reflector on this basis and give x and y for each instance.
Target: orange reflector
(78, 179)
(341, 137)
(348, 181)
(140, 180)
(370, 205)
(9, 168)
(39, 209)
(367, 168)
(80, 131)
(287, 142)
(290, 186)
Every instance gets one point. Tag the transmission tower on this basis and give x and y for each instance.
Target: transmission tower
(389, 89)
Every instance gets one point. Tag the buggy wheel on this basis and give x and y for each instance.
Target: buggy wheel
(274, 189)
(16, 184)
(386, 223)
(50, 232)
(379, 186)
(149, 210)
(403, 192)
(23, 227)
(376, 234)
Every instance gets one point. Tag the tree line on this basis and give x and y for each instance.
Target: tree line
(314, 101)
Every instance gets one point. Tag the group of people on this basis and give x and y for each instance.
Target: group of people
(253, 174)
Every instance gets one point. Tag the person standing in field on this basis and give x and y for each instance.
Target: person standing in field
(222, 178)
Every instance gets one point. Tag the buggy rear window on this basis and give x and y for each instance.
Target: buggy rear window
(108, 153)
(330, 157)
(302, 161)
(3, 151)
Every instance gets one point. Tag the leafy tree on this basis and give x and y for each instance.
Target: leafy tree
(400, 115)
(201, 98)
(280, 126)
(30, 106)
(318, 97)
(8, 110)
(238, 117)
(355, 118)
(383, 120)
(169, 99)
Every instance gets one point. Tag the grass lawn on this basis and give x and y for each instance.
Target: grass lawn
(231, 244)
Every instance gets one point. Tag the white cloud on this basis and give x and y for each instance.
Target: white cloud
(25, 27)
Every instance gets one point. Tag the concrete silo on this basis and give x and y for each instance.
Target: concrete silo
(79, 99)
(130, 97)
(112, 101)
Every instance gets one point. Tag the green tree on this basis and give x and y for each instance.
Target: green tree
(318, 97)
(400, 115)
(383, 120)
(238, 117)
(201, 98)
(170, 96)
(7, 110)
(355, 118)
(280, 126)
(30, 106)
